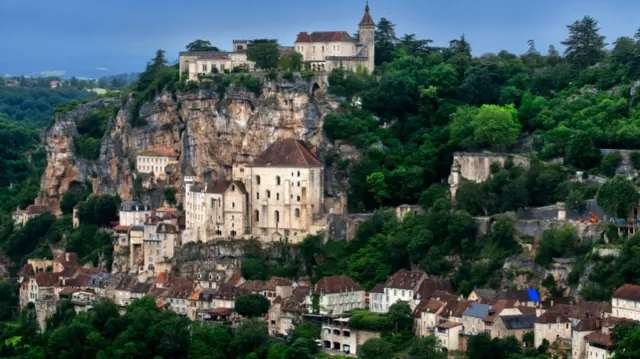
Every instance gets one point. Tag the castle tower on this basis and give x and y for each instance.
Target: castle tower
(366, 30)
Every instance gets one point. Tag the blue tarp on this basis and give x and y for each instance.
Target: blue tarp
(533, 294)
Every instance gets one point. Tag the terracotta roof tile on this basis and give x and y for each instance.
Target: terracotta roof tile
(47, 279)
(274, 282)
(599, 338)
(378, 288)
(36, 209)
(552, 317)
(367, 21)
(287, 153)
(588, 324)
(405, 279)
(335, 284)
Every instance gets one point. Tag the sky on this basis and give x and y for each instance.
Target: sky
(93, 38)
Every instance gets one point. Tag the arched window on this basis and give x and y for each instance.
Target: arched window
(233, 205)
(322, 48)
(233, 233)
(268, 194)
(277, 196)
(233, 187)
(297, 213)
(298, 198)
(298, 173)
(277, 180)
(277, 216)
(257, 179)
(256, 215)
(257, 195)
(212, 203)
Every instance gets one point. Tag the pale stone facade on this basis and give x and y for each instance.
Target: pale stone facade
(551, 326)
(625, 302)
(328, 50)
(158, 246)
(21, 217)
(448, 334)
(339, 337)
(133, 213)
(336, 295)
(215, 209)
(156, 161)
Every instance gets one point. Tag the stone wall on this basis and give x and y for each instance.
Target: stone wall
(344, 226)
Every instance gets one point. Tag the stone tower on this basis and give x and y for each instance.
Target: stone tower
(367, 30)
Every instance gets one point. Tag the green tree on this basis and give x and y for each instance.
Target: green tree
(378, 187)
(252, 305)
(308, 331)
(250, 335)
(425, 348)
(253, 269)
(557, 242)
(617, 196)
(385, 35)
(584, 46)
(210, 342)
(375, 348)
(400, 315)
(264, 53)
(299, 349)
(170, 196)
(626, 338)
(201, 45)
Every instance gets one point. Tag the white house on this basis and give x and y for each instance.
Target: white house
(336, 295)
(625, 302)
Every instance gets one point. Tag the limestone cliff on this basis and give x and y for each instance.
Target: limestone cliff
(209, 130)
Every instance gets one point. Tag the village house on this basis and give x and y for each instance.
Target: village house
(337, 336)
(579, 332)
(285, 312)
(551, 326)
(133, 213)
(526, 297)
(625, 302)
(472, 318)
(207, 63)
(122, 293)
(159, 245)
(376, 299)
(155, 161)
(426, 316)
(599, 346)
(335, 295)
(500, 307)
(402, 286)
(21, 217)
(214, 304)
(273, 288)
(482, 295)
(513, 325)
(448, 334)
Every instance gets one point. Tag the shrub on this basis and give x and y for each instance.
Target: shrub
(288, 76)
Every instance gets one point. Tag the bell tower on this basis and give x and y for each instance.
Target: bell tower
(367, 30)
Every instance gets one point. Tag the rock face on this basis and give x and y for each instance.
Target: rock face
(209, 130)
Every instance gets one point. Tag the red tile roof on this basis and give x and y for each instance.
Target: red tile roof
(46, 279)
(287, 153)
(274, 282)
(367, 21)
(325, 36)
(36, 209)
(552, 317)
(600, 338)
(405, 279)
(628, 292)
(336, 284)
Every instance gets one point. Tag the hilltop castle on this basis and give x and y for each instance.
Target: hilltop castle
(321, 50)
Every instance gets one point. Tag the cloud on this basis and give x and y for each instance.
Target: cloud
(102, 69)
(53, 73)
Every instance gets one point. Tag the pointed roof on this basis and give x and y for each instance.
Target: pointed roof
(287, 153)
(367, 21)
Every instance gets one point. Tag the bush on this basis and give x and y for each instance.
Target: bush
(610, 163)
(288, 76)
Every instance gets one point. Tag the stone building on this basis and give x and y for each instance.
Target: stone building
(327, 50)
(156, 160)
(337, 336)
(215, 209)
(286, 190)
(625, 302)
(336, 295)
(21, 217)
(133, 213)
(551, 326)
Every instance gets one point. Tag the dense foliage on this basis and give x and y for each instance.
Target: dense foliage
(34, 106)
(91, 128)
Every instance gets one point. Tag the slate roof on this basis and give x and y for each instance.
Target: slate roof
(336, 284)
(287, 153)
(431, 285)
(518, 322)
(628, 292)
(379, 288)
(325, 36)
(485, 293)
(521, 295)
(552, 317)
(477, 310)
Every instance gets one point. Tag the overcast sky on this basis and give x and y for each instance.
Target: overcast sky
(98, 37)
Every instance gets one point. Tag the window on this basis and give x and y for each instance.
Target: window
(256, 215)
(233, 205)
(298, 173)
(257, 179)
(257, 195)
(277, 216)
(277, 180)
(204, 67)
(297, 213)
(268, 194)
(322, 49)
(298, 198)
(314, 49)
(277, 196)
(233, 187)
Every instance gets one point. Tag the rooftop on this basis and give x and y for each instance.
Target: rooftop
(287, 153)
(405, 279)
(335, 284)
(517, 322)
(325, 36)
(628, 292)
(159, 152)
(552, 317)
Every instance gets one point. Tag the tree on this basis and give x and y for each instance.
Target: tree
(210, 342)
(413, 46)
(308, 331)
(201, 45)
(480, 347)
(251, 334)
(252, 305)
(617, 196)
(425, 348)
(299, 349)
(584, 46)
(528, 338)
(264, 52)
(291, 62)
(377, 186)
(400, 315)
(532, 51)
(170, 196)
(375, 348)
(626, 338)
(386, 39)
(253, 269)
(557, 242)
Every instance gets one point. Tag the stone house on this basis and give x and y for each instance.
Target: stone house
(284, 313)
(122, 293)
(212, 301)
(21, 217)
(335, 295)
(286, 184)
(599, 346)
(552, 326)
(139, 290)
(338, 337)
(159, 247)
(41, 285)
(402, 286)
(526, 297)
(448, 334)
(155, 161)
(273, 288)
(513, 325)
(207, 63)
(579, 332)
(377, 300)
(472, 318)
(215, 209)
(136, 237)
(482, 295)
(178, 297)
(133, 213)
(211, 279)
(625, 302)
(426, 316)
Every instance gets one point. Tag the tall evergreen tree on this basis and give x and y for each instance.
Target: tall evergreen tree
(385, 41)
(585, 46)
(532, 51)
